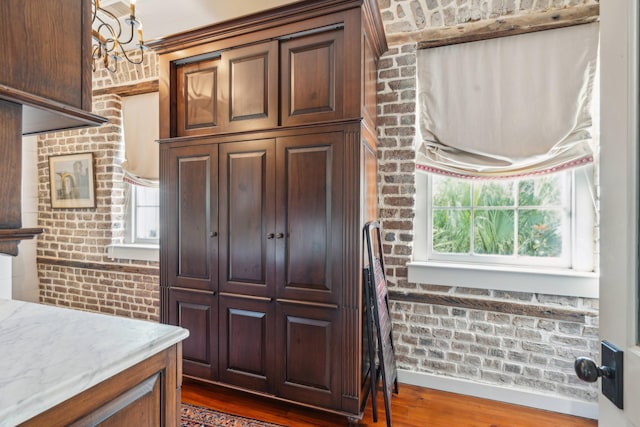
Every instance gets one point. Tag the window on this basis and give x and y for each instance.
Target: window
(143, 216)
(533, 234)
(142, 226)
(521, 222)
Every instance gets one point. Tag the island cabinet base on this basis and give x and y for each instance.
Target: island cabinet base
(146, 394)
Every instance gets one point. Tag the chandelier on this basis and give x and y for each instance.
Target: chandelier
(109, 42)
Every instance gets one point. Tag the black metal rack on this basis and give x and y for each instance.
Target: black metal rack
(378, 319)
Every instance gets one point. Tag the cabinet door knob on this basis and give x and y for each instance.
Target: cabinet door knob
(213, 234)
(270, 236)
(279, 236)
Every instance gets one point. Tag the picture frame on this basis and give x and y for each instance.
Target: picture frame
(72, 183)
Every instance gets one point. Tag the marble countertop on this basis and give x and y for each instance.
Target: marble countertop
(50, 354)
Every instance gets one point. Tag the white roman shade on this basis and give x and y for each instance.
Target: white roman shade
(141, 123)
(509, 106)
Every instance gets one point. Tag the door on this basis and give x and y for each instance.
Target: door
(619, 201)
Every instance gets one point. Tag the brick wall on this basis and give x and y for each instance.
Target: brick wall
(506, 344)
(73, 267)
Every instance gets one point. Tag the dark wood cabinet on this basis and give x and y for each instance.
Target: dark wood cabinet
(268, 174)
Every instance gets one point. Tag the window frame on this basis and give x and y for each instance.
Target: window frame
(141, 250)
(132, 217)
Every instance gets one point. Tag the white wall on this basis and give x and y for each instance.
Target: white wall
(23, 282)
(5, 276)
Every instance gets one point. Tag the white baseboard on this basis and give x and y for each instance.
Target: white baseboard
(502, 394)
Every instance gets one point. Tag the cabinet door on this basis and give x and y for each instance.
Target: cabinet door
(309, 216)
(308, 340)
(197, 312)
(246, 342)
(189, 194)
(197, 97)
(312, 76)
(247, 223)
(249, 87)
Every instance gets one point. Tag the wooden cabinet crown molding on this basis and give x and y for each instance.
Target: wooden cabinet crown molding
(271, 18)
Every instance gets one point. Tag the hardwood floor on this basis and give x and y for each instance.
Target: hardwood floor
(412, 407)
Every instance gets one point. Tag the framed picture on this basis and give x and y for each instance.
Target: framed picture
(72, 182)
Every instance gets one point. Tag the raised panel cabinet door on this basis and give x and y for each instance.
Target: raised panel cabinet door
(197, 104)
(246, 342)
(308, 349)
(309, 212)
(312, 78)
(197, 311)
(189, 212)
(249, 87)
(247, 222)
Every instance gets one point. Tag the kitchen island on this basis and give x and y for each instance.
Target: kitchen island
(60, 366)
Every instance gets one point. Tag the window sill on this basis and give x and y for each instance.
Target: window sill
(541, 281)
(135, 252)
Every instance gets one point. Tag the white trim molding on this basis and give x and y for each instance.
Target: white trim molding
(544, 401)
(137, 252)
(498, 277)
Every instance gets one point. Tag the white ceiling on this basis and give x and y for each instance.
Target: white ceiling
(161, 18)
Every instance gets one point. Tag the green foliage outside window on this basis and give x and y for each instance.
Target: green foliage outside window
(506, 217)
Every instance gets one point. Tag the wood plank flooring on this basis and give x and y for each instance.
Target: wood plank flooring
(412, 407)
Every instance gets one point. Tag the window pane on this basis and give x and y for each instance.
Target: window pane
(450, 191)
(147, 223)
(146, 196)
(544, 191)
(540, 233)
(493, 231)
(451, 231)
(493, 193)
